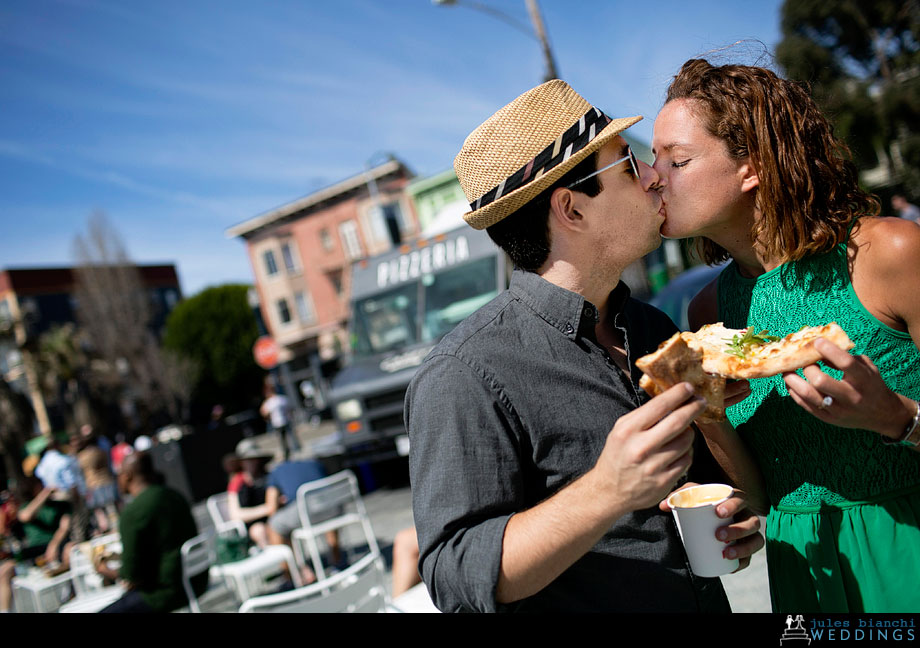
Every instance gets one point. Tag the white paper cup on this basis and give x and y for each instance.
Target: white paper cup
(694, 511)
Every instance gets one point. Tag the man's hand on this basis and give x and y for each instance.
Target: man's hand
(99, 563)
(744, 528)
(649, 449)
(645, 454)
(859, 400)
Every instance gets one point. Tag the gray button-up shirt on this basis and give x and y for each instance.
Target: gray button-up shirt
(511, 406)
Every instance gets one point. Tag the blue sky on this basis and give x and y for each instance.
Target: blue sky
(179, 119)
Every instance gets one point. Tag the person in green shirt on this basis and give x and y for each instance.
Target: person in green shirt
(45, 525)
(153, 528)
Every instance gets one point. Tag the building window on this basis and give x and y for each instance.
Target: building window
(271, 267)
(171, 297)
(284, 312)
(288, 255)
(304, 308)
(335, 278)
(325, 239)
(348, 231)
(387, 223)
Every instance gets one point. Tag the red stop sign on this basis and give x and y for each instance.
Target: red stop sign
(265, 351)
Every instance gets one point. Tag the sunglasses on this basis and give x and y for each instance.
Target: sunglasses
(629, 156)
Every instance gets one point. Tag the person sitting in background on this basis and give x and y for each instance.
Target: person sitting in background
(91, 435)
(101, 489)
(232, 466)
(281, 498)
(153, 527)
(45, 526)
(9, 509)
(59, 469)
(120, 450)
(405, 561)
(246, 491)
(905, 209)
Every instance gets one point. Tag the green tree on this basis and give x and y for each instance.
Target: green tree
(215, 330)
(862, 59)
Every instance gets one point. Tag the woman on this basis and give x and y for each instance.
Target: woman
(750, 167)
(246, 491)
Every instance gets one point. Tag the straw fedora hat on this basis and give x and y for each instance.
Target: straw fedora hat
(527, 146)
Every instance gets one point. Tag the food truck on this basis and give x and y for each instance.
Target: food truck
(403, 302)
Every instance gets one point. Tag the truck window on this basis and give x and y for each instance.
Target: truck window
(453, 295)
(386, 321)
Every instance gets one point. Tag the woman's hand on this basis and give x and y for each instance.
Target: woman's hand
(860, 399)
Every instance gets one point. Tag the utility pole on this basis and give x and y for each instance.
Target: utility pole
(540, 31)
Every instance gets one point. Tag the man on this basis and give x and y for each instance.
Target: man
(524, 497)
(153, 526)
(281, 501)
(276, 410)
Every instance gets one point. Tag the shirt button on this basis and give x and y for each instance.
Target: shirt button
(568, 329)
(589, 312)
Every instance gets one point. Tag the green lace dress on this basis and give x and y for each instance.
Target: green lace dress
(843, 531)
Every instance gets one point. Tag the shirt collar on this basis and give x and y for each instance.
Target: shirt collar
(563, 309)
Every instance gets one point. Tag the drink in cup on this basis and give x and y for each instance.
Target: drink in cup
(694, 511)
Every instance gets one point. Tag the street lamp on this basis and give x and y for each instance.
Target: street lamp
(538, 33)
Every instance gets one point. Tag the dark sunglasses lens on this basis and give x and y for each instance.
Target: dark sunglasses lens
(634, 163)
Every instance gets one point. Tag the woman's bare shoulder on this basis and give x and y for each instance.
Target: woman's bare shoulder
(886, 247)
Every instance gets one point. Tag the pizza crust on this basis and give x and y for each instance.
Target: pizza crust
(674, 362)
(704, 360)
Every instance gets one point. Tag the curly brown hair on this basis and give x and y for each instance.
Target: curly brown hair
(809, 192)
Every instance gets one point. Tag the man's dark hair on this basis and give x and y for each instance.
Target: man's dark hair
(524, 235)
(142, 465)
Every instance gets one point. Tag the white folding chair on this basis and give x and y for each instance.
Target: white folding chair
(197, 555)
(355, 589)
(330, 504)
(90, 593)
(219, 511)
(260, 572)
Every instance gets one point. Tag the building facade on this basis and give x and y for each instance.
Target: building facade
(301, 254)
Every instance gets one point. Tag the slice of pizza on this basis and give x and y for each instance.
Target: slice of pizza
(742, 353)
(712, 354)
(674, 362)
